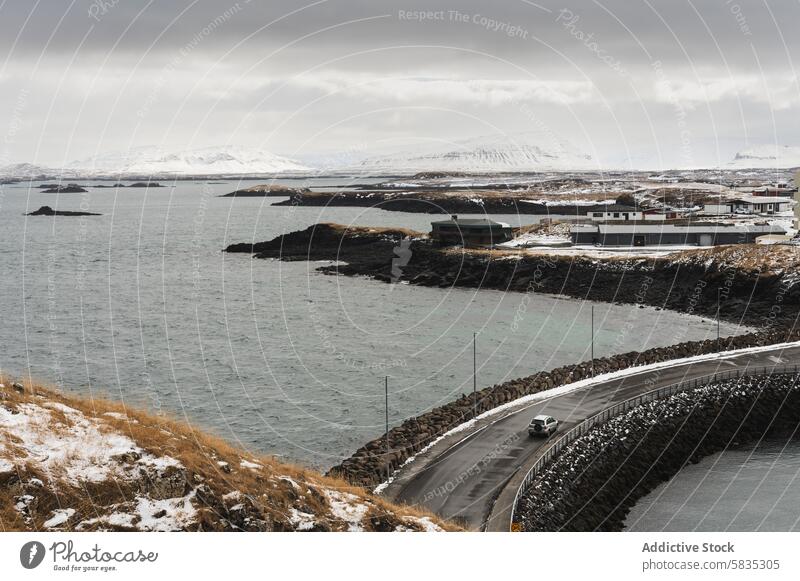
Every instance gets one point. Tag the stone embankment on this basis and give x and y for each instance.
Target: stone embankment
(593, 484)
(368, 465)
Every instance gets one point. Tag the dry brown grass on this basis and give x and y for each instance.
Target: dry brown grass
(372, 230)
(267, 491)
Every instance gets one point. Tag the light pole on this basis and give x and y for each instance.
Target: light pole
(386, 393)
(718, 307)
(592, 341)
(474, 375)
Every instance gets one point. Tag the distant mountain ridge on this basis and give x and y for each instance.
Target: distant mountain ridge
(156, 162)
(767, 156)
(532, 151)
(498, 153)
(226, 160)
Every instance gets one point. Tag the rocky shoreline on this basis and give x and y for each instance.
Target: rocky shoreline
(750, 294)
(618, 462)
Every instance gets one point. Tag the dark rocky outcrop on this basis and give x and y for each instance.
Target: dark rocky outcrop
(68, 189)
(368, 246)
(265, 191)
(48, 211)
(438, 202)
(620, 461)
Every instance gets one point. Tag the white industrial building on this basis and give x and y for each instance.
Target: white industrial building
(670, 233)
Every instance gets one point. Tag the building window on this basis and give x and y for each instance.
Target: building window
(616, 214)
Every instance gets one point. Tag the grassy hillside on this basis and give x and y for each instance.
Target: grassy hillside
(83, 465)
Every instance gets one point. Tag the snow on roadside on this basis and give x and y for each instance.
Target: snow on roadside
(584, 383)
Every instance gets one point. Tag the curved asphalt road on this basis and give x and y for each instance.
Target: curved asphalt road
(463, 482)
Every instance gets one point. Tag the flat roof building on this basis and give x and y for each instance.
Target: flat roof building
(748, 205)
(669, 233)
(470, 231)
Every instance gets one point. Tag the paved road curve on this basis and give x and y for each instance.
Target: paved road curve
(464, 481)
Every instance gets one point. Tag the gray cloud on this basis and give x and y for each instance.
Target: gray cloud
(619, 78)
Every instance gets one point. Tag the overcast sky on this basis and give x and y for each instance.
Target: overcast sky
(686, 82)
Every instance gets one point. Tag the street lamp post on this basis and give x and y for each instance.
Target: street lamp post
(386, 393)
(474, 375)
(593, 341)
(718, 308)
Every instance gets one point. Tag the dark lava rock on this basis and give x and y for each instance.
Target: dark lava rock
(68, 189)
(372, 248)
(266, 191)
(48, 211)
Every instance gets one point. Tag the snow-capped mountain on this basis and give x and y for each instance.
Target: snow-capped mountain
(766, 157)
(26, 171)
(532, 151)
(227, 160)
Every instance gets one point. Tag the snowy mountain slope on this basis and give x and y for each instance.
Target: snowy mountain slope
(767, 156)
(26, 170)
(227, 160)
(533, 151)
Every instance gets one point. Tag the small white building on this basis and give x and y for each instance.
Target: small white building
(747, 205)
(616, 212)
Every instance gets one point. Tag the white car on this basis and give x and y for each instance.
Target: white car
(542, 425)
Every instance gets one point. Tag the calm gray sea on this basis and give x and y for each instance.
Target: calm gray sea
(141, 305)
(752, 488)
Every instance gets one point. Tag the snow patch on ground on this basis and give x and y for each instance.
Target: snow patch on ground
(301, 521)
(147, 514)
(425, 523)
(294, 484)
(250, 465)
(5, 465)
(348, 508)
(60, 517)
(78, 450)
